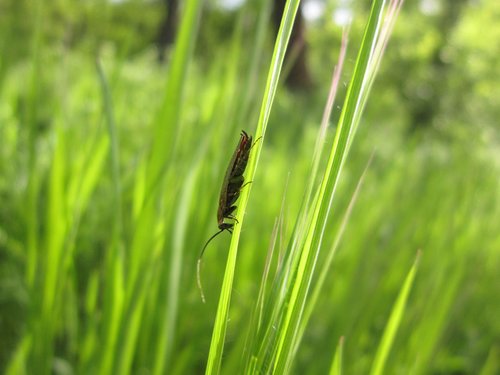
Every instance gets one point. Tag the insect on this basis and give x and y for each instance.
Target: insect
(229, 194)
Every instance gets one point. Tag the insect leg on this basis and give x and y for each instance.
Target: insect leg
(249, 182)
(257, 140)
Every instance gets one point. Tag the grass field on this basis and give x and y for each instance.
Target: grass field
(365, 249)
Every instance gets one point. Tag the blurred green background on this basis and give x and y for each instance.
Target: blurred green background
(72, 166)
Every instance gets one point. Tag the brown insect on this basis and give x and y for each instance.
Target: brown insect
(229, 194)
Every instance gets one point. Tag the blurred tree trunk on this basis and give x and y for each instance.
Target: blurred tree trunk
(168, 28)
(298, 76)
(296, 56)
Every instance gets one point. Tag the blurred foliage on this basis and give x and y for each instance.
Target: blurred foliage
(449, 48)
(130, 26)
(442, 67)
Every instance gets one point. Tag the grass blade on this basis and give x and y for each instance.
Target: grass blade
(309, 252)
(218, 336)
(336, 368)
(397, 314)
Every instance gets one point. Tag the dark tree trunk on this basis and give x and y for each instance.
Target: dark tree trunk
(298, 76)
(168, 28)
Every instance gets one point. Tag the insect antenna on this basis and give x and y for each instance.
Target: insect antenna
(198, 265)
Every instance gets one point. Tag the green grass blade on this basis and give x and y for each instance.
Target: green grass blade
(114, 259)
(17, 364)
(289, 332)
(33, 188)
(397, 315)
(257, 318)
(143, 267)
(168, 324)
(326, 266)
(336, 368)
(492, 364)
(163, 148)
(166, 129)
(115, 153)
(219, 331)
